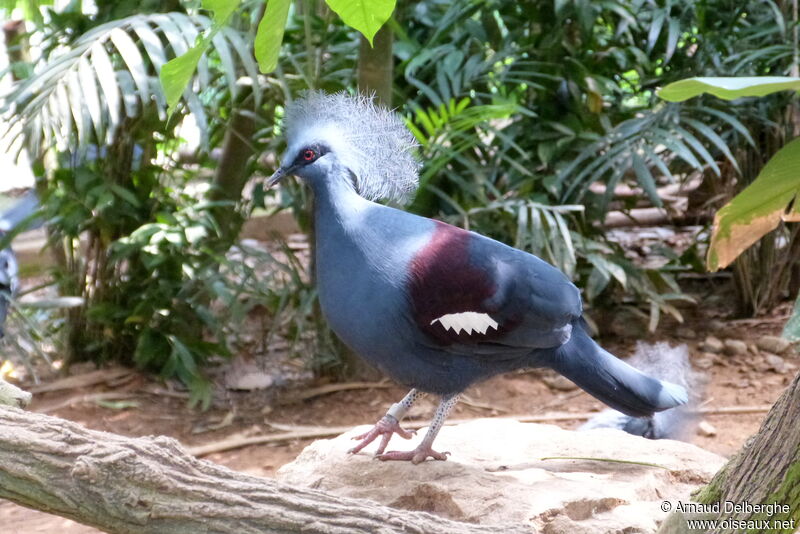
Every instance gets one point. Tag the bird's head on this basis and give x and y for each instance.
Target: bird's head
(344, 137)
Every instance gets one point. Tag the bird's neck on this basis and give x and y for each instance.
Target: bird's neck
(342, 240)
(337, 206)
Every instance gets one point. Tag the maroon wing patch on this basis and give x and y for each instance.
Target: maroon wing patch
(444, 282)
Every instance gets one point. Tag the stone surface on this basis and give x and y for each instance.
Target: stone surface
(735, 347)
(775, 362)
(246, 374)
(704, 428)
(497, 474)
(685, 332)
(705, 360)
(558, 382)
(773, 344)
(712, 344)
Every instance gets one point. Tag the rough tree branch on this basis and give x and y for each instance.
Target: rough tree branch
(151, 485)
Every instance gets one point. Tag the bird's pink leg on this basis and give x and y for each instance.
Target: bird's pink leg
(389, 424)
(424, 449)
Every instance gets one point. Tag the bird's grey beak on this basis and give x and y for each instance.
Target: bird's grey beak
(278, 175)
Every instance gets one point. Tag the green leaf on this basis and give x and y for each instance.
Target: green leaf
(270, 34)
(655, 28)
(222, 9)
(126, 194)
(645, 179)
(770, 199)
(176, 74)
(366, 16)
(728, 88)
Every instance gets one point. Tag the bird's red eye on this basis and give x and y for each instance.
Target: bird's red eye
(309, 154)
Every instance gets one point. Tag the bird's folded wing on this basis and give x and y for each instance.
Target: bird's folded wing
(471, 294)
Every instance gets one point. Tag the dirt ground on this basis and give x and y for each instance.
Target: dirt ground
(151, 407)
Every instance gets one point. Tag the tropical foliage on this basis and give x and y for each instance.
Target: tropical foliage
(132, 235)
(770, 199)
(772, 196)
(107, 78)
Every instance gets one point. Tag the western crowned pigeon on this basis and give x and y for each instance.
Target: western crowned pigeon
(435, 307)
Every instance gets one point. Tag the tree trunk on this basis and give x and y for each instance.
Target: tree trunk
(376, 66)
(765, 471)
(18, 49)
(152, 486)
(231, 173)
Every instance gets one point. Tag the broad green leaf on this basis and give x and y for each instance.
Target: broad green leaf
(728, 88)
(770, 199)
(366, 16)
(221, 9)
(270, 34)
(176, 73)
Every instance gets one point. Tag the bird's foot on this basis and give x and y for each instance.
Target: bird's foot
(417, 456)
(387, 426)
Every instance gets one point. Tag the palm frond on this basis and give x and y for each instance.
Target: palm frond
(654, 141)
(83, 95)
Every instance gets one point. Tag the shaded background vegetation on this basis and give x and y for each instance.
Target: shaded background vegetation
(519, 108)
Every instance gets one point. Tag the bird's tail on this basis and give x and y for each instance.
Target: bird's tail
(664, 362)
(611, 380)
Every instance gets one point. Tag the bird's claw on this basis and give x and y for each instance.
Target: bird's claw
(417, 456)
(386, 427)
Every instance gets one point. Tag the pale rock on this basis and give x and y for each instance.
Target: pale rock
(558, 382)
(712, 344)
(775, 362)
(706, 360)
(245, 374)
(497, 475)
(628, 324)
(735, 347)
(685, 332)
(11, 395)
(773, 344)
(704, 428)
(717, 325)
